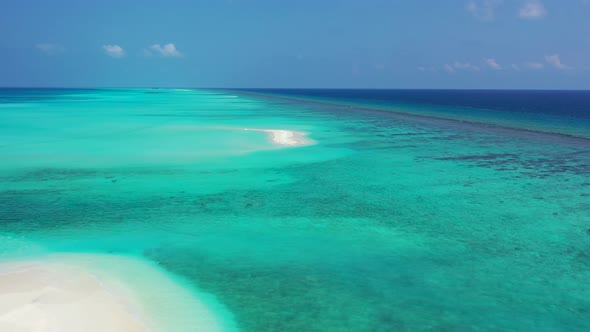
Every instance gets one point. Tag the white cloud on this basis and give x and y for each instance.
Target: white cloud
(465, 66)
(534, 65)
(493, 64)
(533, 9)
(427, 69)
(483, 10)
(50, 49)
(451, 68)
(555, 61)
(168, 50)
(515, 67)
(114, 51)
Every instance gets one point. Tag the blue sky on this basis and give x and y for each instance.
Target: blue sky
(536, 44)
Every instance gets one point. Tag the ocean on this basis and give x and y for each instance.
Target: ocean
(406, 210)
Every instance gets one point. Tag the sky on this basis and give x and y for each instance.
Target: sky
(443, 44)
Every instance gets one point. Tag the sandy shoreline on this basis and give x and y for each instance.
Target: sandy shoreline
(74, 292)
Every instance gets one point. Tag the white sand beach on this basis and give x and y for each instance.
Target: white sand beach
(286, 137)
(76, 292)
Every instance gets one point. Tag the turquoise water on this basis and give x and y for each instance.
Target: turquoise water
(388, 223)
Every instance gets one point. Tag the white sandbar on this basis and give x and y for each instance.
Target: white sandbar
(91, 293)
(286, 137)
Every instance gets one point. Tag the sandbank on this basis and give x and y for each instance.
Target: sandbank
(89, 292)
(286, 137)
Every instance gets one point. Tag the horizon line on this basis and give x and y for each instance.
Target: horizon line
(280, 88)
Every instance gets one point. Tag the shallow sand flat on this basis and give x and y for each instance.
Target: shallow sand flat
(97, 293)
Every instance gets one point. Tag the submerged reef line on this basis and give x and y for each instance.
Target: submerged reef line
(416, 117)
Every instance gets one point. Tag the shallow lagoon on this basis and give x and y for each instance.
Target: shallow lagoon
(389, 223)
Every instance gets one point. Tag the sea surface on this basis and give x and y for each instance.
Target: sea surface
(413, 211)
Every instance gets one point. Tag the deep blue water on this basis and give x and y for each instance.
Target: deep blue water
(556, 103)
(556, 112)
